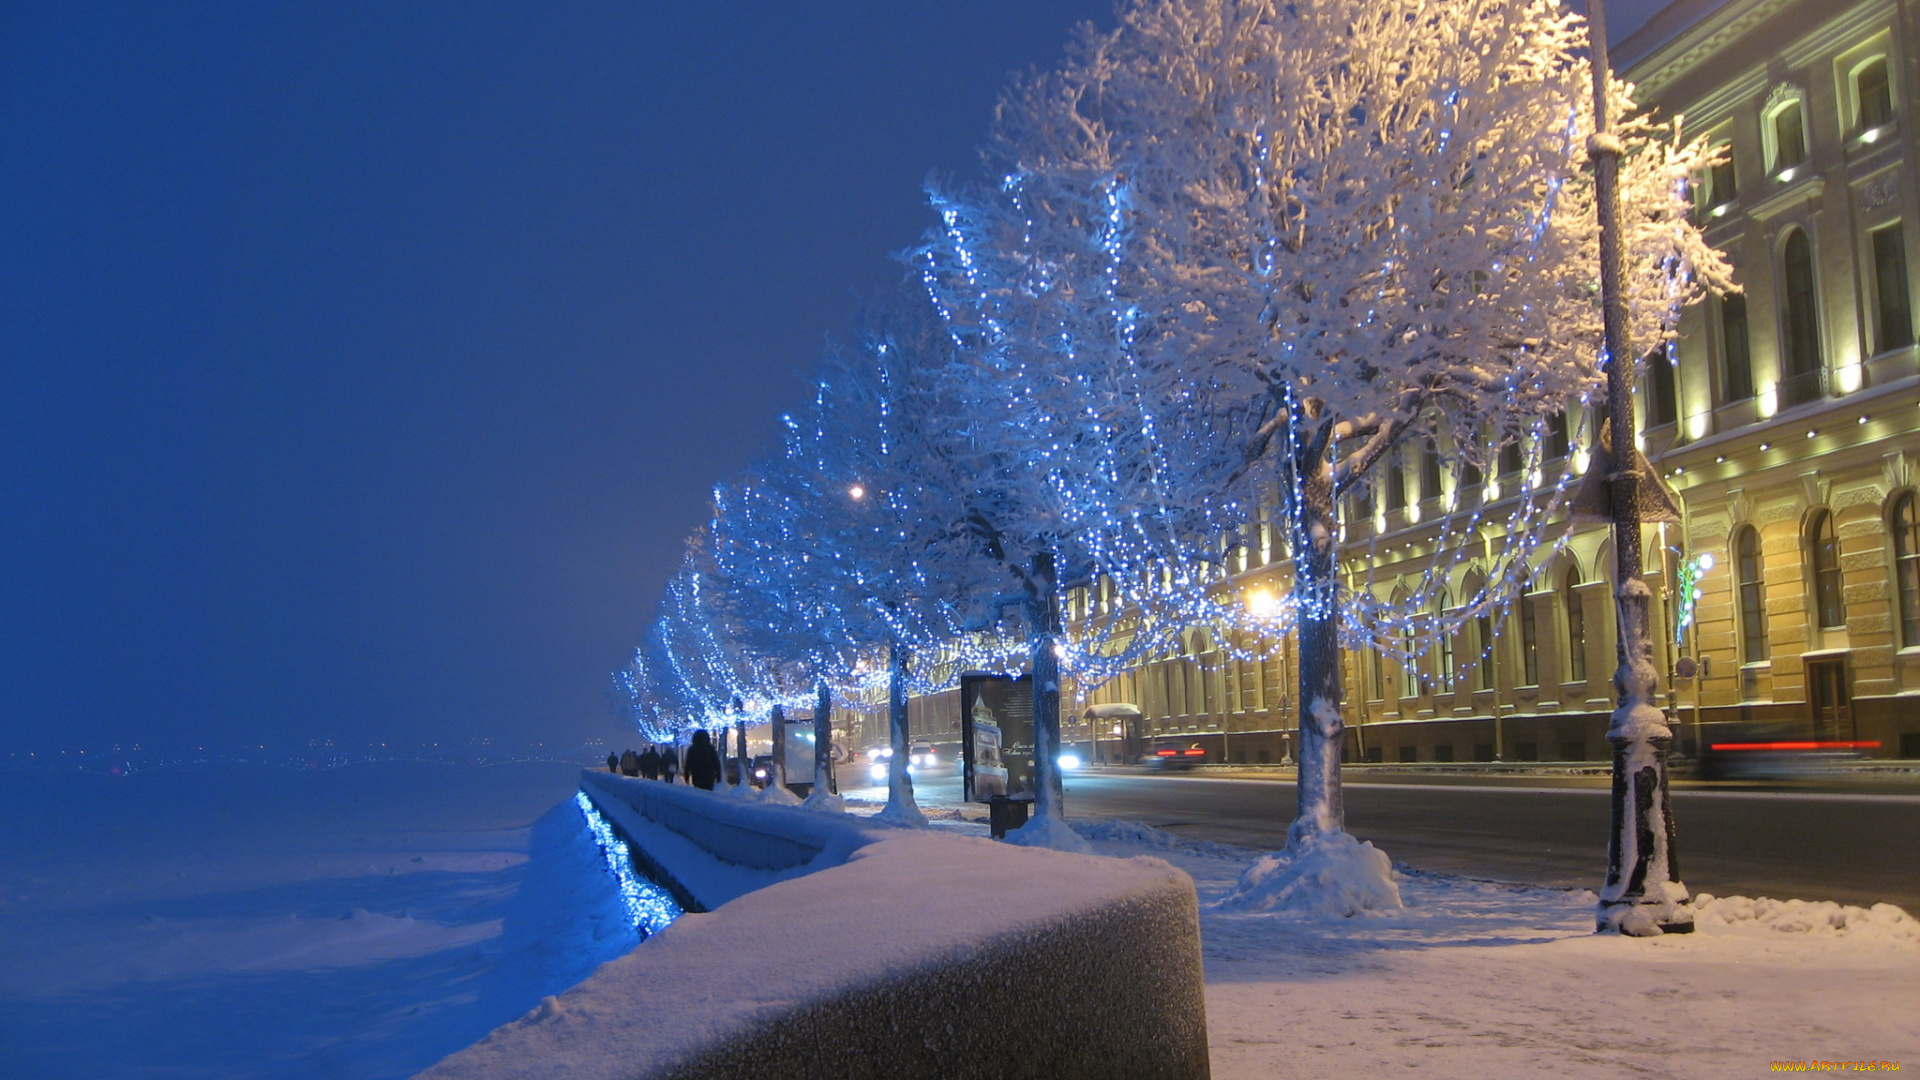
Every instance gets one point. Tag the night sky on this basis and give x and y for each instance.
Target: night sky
(366, 364)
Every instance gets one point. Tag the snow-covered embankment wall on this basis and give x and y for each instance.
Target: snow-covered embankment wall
(901, 954)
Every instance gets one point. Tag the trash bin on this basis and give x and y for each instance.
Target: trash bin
(1005, 815)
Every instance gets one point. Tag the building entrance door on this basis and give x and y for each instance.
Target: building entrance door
(1828, 697)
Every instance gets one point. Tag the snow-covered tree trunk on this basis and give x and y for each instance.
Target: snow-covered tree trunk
(823, 740)
(1643, 894)
(900, 809)
(1322, 811)
(1043, 636)
(745, 775)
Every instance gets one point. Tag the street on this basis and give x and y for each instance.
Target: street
(1852, 847)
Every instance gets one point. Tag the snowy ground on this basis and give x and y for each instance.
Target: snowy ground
(1480, 979)
(253, 921)
(247, 921)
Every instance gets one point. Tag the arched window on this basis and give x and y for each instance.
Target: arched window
(1752, 597)
(1828, 602)
(1529, 639)
(1576, 627)
(1430, 471)
(1396, 482)
(1906, 566)
(1444, 640)
(1800, 381)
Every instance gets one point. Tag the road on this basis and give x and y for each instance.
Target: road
(1851, 846)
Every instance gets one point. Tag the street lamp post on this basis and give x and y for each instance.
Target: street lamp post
(1643, 895)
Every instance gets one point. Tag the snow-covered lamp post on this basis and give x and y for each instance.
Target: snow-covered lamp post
(1643, 894)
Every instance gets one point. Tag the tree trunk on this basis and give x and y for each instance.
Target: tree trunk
(823, 740)
(746, 760)
(776, 761)
(1316, 587)
(1043, 635)
(900, 802)
(1643, 894)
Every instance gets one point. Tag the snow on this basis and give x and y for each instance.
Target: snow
(895, 906)
(251, 921)
(241, 921)
(1328, 875)
(1047, 831)
(1473, 979)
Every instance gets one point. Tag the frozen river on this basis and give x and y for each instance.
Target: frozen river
(261, 921)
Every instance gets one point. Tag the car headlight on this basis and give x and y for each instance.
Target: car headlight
(1069, 762)
(877, 772)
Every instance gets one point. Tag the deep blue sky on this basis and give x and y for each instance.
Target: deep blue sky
(365, 364)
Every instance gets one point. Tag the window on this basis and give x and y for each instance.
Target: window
(1396, 484)
(1661, 406)
(1411, 661)
(1529, 640)
(1789, 136)
(1800, 382)
(1557, 439)
(1429, 472)
(1723, 184)
(1484, 643)
(1906, 567)
(1828, 602)
(1752, 596)
(1872, 95)
(1440, 605)
(1576, 629)
(1379, 671)
(1511, 460)
(1736, 360)
(1895, 314)
(1470, 475)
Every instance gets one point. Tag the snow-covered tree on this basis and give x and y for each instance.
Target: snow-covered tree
(1049, 417)
(1351, 224)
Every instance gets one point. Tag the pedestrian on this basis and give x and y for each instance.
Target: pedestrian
(650, 763)
(669, 763)
(630, 764)
(703, 762)
(613, 762)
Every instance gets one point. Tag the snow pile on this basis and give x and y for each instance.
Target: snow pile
(1335, 875)
(1881, 922)
(778, 795)
(1048, 832)
(900, 815)
(824, 802)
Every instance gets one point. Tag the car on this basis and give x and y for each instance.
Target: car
(1177, 754)
(922, 755)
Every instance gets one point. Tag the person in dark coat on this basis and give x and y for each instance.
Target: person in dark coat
(629, 764)
(703, 762)
(613, 761)
(650, 763)
(669, 763)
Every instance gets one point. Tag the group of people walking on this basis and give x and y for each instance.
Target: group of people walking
(663, 762)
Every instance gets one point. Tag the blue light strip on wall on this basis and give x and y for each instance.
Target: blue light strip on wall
(649, 907)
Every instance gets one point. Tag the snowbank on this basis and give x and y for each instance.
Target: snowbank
(1330, 875)
(922, 955)
(1881, 922)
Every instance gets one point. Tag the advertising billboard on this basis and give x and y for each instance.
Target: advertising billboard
(996, 736)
